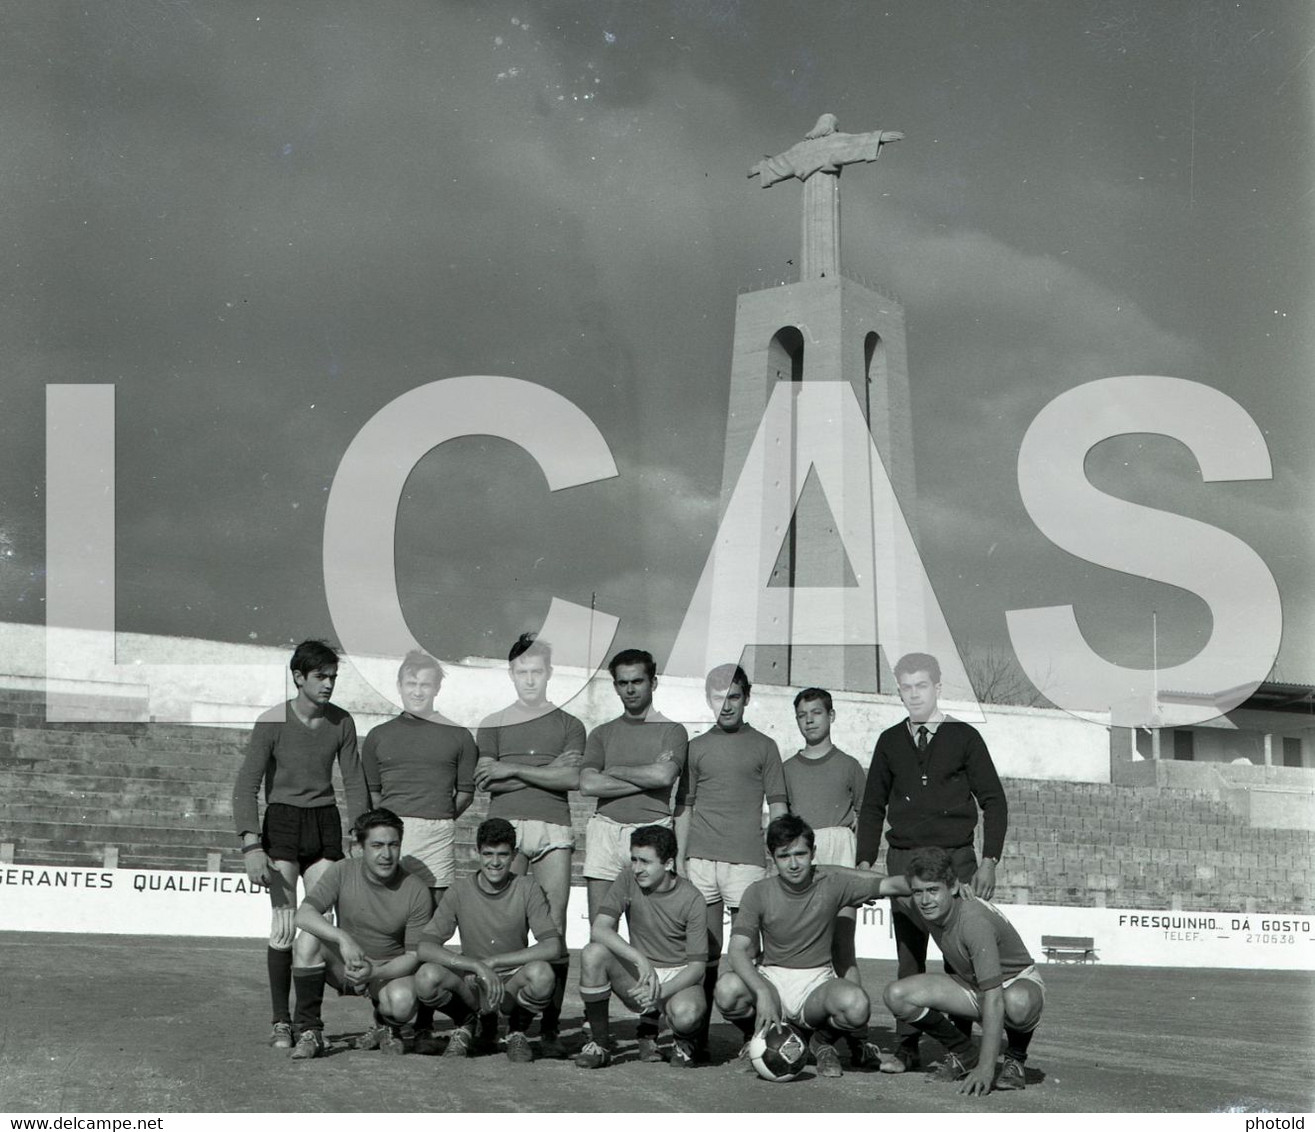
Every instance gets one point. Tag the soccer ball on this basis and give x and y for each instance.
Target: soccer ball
(778, 1052)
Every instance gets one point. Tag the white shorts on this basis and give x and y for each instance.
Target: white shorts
(430, 850)
(722, 880)
(836, 845)
(664, 974)
(972, 999)
(537, 838)
(607, 846)
(794, 985)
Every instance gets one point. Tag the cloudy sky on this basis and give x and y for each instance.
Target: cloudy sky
(264, 222)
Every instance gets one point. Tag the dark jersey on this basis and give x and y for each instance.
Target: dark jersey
(727, 776)
(980, 945)
(492, 923)
(415, 767)
(385, 919)
(796, 926)
(530, 740)
(669, 928)
(295, 762)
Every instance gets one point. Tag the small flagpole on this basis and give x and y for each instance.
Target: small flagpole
(1155, 664)
(593, 601)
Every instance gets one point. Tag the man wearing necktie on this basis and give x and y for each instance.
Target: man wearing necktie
(929, 775)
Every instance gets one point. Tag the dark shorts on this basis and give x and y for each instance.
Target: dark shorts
(296, 833)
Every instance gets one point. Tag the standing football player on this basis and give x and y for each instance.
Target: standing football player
(732, 767)
(630, 765)
(529, 760)
(292, 750)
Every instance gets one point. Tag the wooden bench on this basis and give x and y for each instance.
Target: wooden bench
(1069, 948)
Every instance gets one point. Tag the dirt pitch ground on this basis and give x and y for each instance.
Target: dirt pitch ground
(150, 1025)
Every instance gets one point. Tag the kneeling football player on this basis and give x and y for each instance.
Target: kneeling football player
(372, 950)
(660, 970)
(993, 979)
(497, 968)
(793, 914)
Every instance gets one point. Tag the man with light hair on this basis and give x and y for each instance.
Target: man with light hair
(529, 761)
(732, 768)
(422, 767)
(929, 775)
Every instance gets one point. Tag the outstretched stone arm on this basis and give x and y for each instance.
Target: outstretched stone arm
(827, 152)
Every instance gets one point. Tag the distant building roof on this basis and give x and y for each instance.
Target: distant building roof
(1275, 696)
(1271, 695)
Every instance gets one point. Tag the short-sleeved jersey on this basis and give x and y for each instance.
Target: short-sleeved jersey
(668, 928)
(625, 741)
(385, 919)
(296, 764)
(492, 923)
(727, 776)
(826, 791)
(796, 927)
(526, 739)
(415, 766)
(980, 945)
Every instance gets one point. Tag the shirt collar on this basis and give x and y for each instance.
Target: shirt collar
(931, 725)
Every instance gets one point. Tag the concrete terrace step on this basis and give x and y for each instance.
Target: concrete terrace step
(36, 718)
(1197, 837)
(176, 732)
(217, 777)
(185, 858)
(1122, 799)
(1035, 828)
(90, 843)
(74, 760)
(23, 785)
(125, 815)
(17, 804)
(110, 833)
(1078, 791)
(161, 733)
(44, 738)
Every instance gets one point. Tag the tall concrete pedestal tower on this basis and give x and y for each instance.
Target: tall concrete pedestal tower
(823, 328)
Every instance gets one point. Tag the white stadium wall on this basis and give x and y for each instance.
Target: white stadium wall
(151, 902)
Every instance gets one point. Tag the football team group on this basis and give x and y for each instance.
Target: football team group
(676, 842)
